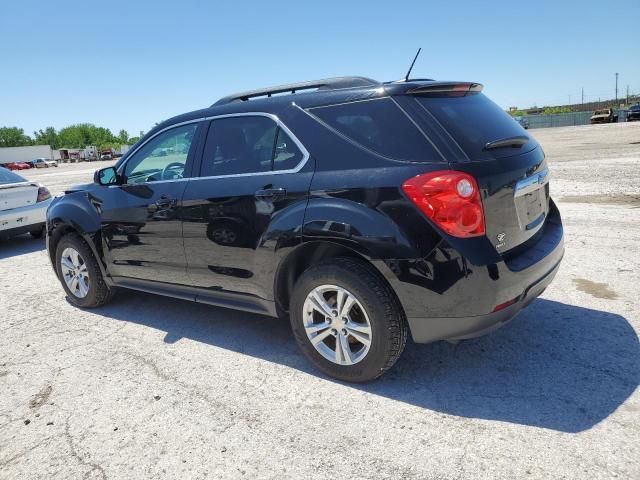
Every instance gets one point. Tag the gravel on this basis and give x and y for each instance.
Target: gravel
(551, 395)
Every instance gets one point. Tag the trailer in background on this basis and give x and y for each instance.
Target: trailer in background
(25, 154)
(74, 155)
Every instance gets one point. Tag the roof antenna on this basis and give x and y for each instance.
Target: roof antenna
(406, 78)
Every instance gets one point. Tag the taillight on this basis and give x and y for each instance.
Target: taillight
(450, 199)
(43, 194)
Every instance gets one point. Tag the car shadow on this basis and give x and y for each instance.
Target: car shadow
(20, 245)
(556, 366)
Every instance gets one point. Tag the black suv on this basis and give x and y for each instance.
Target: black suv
(633, 113)
(361, 210)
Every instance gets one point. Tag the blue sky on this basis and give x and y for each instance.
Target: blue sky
(129, 64)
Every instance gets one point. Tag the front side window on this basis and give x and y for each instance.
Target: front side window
(162, 158)
(248, 144)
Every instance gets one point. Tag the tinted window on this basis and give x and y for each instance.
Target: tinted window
(7, 176)
(162, 158)
(378, 125)
(286, 154)
(239, 145)
(473, 121)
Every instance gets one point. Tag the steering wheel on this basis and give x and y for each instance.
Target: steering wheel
(171, 169)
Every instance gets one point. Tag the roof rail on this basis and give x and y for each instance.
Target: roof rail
(324, 84)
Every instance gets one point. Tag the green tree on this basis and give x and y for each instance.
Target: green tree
(123, 137)
(48, 136)
(13, 137)
(82, 134)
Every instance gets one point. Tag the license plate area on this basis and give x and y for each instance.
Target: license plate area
(531, 197)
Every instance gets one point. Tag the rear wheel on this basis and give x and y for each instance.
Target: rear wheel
(347, 320)
(80, 274)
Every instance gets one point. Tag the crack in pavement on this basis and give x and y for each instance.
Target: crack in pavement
(74, 453)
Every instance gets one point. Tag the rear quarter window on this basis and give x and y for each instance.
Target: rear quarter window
(379, 126)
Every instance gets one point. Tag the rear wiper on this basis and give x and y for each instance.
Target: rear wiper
(511, 142)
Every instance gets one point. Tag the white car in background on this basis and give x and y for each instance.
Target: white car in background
(44, 163)
(23, 205)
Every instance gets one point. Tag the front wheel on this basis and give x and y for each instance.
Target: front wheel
(80, 274)
(347, 320)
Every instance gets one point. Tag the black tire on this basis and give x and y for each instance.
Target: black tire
(99, 292)
(386, 316)
(38, 232)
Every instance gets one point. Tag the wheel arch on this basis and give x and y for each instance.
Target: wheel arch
(308, 254)
(58, 227)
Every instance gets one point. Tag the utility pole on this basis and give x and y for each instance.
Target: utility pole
(627, 94)
(582, 97)
(616, 88)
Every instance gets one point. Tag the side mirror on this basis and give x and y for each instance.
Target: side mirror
(106, 176)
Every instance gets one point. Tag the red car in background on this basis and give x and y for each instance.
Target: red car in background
(18, 166)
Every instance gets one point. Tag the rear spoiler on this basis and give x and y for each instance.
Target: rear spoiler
(6, 186)
(452, 89)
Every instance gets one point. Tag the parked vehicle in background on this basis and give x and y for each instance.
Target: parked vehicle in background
(605, 115)
(18, 166)
(361, 210)
(44, 163)
(23, 205)
(107, 154)
(633, 113)
(523, 122)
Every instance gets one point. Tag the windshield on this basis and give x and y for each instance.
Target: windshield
(7, 176)
(602, 112)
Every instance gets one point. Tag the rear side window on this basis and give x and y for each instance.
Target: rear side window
(7, 176)
(248, 144)
(379, 125)
(473, 121)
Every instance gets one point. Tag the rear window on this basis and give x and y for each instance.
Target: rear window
(380, 126)
(473, 121)
(7, 176)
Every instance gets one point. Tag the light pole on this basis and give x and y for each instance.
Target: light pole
(616, 88)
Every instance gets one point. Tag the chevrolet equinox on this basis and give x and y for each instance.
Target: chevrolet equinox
(360, 210)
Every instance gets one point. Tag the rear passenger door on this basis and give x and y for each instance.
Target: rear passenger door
(246, 205)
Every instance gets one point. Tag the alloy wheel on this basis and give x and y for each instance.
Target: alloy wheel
(337, 324)
(74, 272)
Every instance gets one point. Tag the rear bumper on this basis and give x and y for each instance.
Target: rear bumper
(445, 297)
(425, 330)
(24, 219)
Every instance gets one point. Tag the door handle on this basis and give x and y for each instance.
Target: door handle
(165, 202)
(271, 193)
